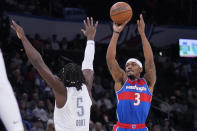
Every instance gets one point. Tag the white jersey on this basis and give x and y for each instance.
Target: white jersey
(9, 111)
(75, 114)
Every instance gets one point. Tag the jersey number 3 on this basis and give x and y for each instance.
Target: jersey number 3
(137, 99)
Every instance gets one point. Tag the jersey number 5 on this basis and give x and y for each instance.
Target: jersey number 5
(137, 99)
(80, 108)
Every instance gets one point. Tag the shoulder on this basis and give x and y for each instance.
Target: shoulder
(119, 85)
(144, 81)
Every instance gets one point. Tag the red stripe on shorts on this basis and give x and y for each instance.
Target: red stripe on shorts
(130, 126)
(115, 128)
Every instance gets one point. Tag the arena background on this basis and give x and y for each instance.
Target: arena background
(53, 27)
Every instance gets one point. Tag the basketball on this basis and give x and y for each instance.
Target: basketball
(120, 12)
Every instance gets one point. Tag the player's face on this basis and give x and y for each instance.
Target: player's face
(133, 69)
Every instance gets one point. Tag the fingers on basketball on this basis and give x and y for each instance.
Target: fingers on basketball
(125, 22)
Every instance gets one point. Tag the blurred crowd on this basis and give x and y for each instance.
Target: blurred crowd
(174, 104)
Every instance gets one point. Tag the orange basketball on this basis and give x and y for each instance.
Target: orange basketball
(120, 12)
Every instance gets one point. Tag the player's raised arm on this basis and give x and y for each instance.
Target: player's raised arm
(38, 63)
(87, 64)
(150, 70)
(117, 73)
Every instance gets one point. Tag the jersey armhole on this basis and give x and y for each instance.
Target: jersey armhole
(122, 86)
(147, 86)
(90, 95)
(62, 108)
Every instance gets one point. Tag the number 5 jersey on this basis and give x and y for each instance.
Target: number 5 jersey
(133, 105)
(75, 114)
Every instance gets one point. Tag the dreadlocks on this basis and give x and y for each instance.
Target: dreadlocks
(72, 75)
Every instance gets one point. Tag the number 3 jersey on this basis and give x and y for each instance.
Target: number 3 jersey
(133, 102)
(75, 114)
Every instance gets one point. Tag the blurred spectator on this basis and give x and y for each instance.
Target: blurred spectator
(99, 126)
(50, 109)
(157, 127)
(26, 113)
(167, 126)
(17, 59)
(97, 87)
(38, 125)
(194, 125)
(38, 42)
(76, 44)
(27, 125)
(39, 112)
(25, 98)
(92, 126)
(165, 106)
(48, 93)
(34, 101)
(40, 83)
(54, 43)
(64, 43)
(192, 97)
(31, 74)
(105, 101)
(50, 125)
(96, 115)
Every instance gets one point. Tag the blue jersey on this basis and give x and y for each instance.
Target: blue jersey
(133, 104)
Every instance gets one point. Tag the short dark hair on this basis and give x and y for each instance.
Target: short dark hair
(72, 76)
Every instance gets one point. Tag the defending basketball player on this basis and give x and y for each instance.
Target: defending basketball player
(72, 88)
(133, 93)
(9, 111)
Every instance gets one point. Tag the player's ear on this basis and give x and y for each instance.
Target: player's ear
(141, 69)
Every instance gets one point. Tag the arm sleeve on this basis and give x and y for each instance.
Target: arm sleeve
(89, 55)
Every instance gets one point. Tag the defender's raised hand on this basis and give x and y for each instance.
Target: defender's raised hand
(90, 28)
(19, 30)
(141, 25)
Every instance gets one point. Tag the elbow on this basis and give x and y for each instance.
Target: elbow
(107, 57)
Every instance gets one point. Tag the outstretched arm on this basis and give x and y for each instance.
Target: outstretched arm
(150, 70)
(117, 73)
(38, 63)
(87, 64)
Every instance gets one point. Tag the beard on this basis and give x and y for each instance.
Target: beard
(132, 77)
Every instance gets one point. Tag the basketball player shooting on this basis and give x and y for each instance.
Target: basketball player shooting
(72, 88)
(133, 93)
(9, 111)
